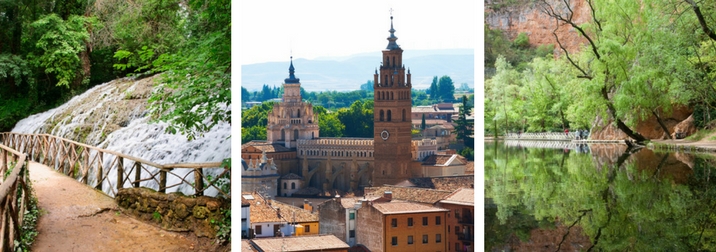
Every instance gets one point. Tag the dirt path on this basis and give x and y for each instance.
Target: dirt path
(704, 142)
(75, 217)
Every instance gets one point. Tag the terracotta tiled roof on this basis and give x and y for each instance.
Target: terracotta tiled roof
(264, 146)
(470, 167)
(246, 246)
(261, 211)
(300, 243)
(291, 176)
(245, 202)
(414, 194)
(462, 196)
(397, 207)
(449, 183)
(289, 211)
(444, 160)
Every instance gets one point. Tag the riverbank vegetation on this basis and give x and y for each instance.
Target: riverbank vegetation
(639, 60)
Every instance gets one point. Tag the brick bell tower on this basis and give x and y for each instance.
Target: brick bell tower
(391, 116)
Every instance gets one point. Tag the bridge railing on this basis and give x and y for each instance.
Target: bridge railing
(543, 135)
(14, 196)
(97, 167)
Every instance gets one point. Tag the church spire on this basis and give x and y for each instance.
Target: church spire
(392, 45)
(291, 77)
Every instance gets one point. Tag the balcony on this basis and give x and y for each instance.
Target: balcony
(466, 220)
(466, 237)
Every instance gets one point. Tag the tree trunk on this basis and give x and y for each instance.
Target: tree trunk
(623, 127)
(661, 123)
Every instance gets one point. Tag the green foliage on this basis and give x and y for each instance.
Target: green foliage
(60, 44)
(521, 41)
(199, 74)
(434, 92)
(156, 216)
(446, 89)
(328, 122)
(223, 227)
(15, 68)
(463, 129)
(358, 119)
(468, 153)
(28, 230)
(368, 86)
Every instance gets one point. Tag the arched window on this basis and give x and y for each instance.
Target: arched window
(293, 185)
(283, 134)
(298, 113)
(295, 134)
(391, 96)
(388, 115)
(387, 61)
(393, 60)
(381, 115)
(284, 185)
(403, 115)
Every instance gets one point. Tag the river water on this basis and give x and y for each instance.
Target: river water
(598, 197)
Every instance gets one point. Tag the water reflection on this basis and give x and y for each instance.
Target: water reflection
(609, 197)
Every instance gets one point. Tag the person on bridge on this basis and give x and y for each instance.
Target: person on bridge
(566, 132)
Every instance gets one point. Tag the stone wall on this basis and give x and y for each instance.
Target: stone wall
(369, 227)
(332, 219)
(173, 211)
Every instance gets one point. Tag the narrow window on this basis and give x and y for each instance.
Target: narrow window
(293, 185)
(394, 222)
(381, 115)
(425, 239)
(388, 115)
(410, 239)
(438, 239)
(394, 241)
(403, 115)
(352, 216)
(284, 185)
(437, 220)
(352, 234)
(308, 228)
(425, 221)
(410, 222)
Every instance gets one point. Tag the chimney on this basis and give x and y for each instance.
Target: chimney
(388, 195)
(337, 198)
(310, 205)
(305, 204)
(278, 212)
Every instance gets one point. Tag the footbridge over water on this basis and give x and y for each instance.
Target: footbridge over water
(86, 179)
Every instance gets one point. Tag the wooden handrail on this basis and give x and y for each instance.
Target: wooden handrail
(12, 203)
(76, 159)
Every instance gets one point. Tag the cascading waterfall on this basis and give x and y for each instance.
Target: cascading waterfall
(112, 116)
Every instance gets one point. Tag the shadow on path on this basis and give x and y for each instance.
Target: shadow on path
(76, 217)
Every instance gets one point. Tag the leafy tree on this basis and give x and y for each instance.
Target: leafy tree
(434, 92)
(358, 119)
(463, 129)
(446, 88)
(522, 41)
(368, 86)
(422, 124)
(60, 45)
(199, 73)
(328, 122)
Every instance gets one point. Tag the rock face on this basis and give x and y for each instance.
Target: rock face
(679, 121)
(515, 17)
(174, 211)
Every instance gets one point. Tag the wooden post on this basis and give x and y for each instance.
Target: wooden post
(163, 179)
(137, 173)
(120, 173)
(100, 172)
(198, 182)
(3, 167)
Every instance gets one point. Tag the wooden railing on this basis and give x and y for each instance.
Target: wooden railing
(94, 166)
(14, 196)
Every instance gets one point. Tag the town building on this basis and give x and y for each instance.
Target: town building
(340, 166)
(245, 215)
(437, 165)
(290, 183)
(304, 221)
(259, 175)
(460, 219)
(385, 225)
(328, 243)
(441, 111)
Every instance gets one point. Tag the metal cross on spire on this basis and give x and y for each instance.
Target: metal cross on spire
(391, 11)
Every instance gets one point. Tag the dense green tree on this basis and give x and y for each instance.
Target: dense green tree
(446, 89)
(358, 119)
(464, 129)
(434, 92)
(328, 123)
(368, 86)
(422, 124)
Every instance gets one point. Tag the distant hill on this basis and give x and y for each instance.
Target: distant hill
(348, 73)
